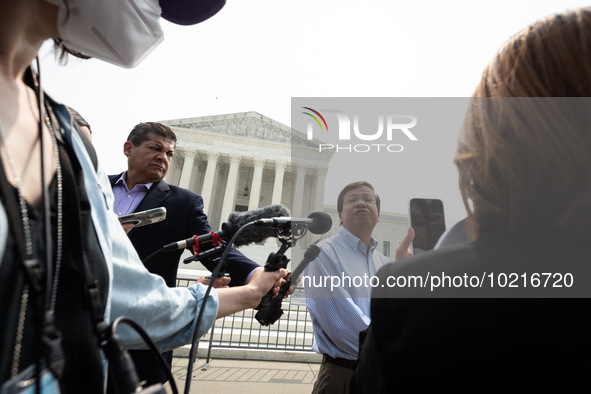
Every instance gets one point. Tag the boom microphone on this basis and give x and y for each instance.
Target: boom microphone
(252, 234)
(235, 221)
(317, 222)
(266, 220)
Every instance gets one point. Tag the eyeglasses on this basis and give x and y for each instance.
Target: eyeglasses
(354, 198)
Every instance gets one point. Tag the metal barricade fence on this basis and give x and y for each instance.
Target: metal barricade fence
(292, 332)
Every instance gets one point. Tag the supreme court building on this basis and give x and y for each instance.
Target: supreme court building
(244, 161)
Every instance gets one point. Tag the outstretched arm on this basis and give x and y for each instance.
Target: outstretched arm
(235, 299)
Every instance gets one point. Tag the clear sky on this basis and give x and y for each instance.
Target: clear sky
(257, 54)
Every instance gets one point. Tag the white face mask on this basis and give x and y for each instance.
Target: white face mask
(121, 32)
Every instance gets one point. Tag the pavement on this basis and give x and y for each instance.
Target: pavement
(245, 376)
(244, 371)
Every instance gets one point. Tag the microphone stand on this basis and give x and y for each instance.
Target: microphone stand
(275, 262)
(273, 311)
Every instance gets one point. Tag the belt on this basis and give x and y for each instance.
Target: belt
(343, 362)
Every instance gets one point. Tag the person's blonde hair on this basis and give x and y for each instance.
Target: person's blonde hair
(524, 152)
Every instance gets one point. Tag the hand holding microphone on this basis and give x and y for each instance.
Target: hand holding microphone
(244, 228)
(266, 281)
(250, 294)
(273, 310)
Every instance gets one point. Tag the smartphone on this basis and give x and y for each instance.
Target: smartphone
(428, 221)
(144, 218)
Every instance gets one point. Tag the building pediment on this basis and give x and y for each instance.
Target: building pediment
(245, 124)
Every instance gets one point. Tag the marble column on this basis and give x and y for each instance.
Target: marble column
(257, 182)
(298, 191)
(230, 193)
(197, 183)
(172, 172)
(187, 169)
(207, 190)
(318, 202)
(278, 185)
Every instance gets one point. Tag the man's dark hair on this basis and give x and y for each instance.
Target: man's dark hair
(142, 132)
(355, 185)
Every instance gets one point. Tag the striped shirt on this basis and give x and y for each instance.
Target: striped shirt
(126, 201)
(340, 311)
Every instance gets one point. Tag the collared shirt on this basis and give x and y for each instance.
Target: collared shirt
(338, 293)
(126, 201)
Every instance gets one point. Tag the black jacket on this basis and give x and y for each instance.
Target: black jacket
(528, 339)
(184, 218)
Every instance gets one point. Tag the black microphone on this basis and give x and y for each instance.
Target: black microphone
(237, 220)
(225, 234)
(317, 222)
(309, 255)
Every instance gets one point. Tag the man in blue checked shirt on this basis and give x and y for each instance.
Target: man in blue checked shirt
(338, 287)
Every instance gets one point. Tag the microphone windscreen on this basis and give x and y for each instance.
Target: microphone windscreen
(256, 234)
(323, 222)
